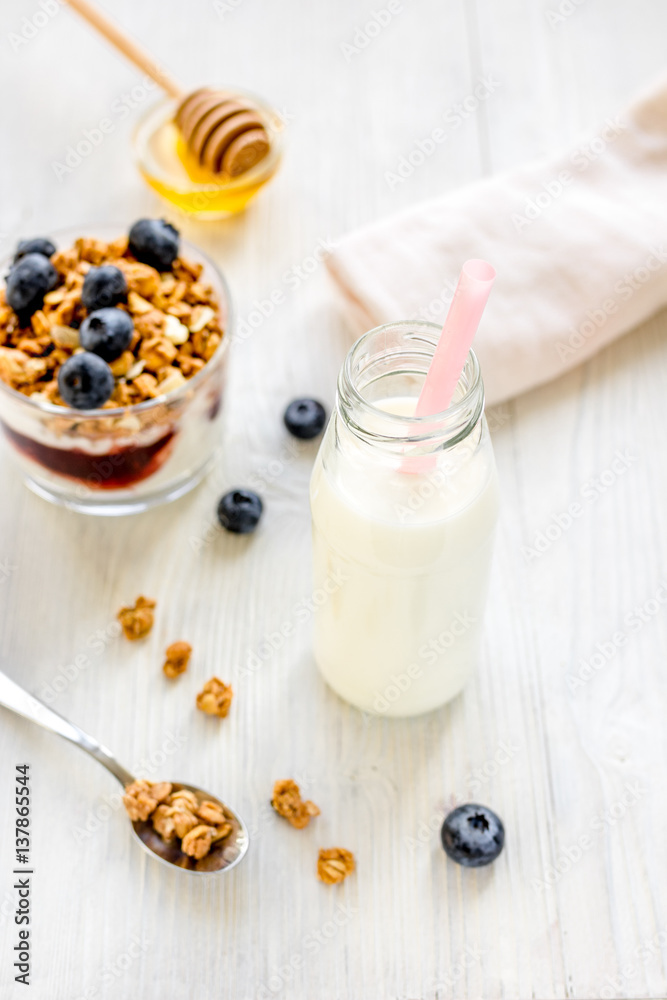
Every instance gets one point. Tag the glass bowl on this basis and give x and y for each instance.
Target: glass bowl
(126, 459)
(167, 166)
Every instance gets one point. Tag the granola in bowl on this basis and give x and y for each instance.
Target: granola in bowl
(112, 362)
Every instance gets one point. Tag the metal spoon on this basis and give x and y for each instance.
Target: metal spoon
(221, 857)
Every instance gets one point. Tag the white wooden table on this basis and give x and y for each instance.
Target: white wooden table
(559, 760)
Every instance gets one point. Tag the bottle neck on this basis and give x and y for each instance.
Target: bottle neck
(390, 363)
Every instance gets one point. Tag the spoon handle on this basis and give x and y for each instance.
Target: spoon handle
(16, 699)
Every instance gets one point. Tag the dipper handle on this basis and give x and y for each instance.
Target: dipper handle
(130, 49)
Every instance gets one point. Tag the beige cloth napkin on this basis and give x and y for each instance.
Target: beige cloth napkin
(579, 242)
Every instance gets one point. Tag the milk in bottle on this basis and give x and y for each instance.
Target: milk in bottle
(404, 511)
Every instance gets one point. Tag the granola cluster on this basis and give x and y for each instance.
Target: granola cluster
(176, 317)
(215, 698)
(287, 802)
(334, 864)
(137, 619)
(178, 815)
(177, 658)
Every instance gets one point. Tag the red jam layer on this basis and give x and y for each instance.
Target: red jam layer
(111, 471)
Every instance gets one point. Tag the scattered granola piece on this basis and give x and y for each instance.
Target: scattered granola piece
(334, 864)
(142, 797)
(215, 698)
(178, 655)
(197, 842)
(137, 620)
(287, 802)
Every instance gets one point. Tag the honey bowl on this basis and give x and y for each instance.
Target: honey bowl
(170, 169)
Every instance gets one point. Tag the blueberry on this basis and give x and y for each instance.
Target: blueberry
(28, 282)
(239, 511)
(472, 835)
(154, 242)
(85, 381)
(107, 333)
(305, 418)
(103, 286)
(38, 245)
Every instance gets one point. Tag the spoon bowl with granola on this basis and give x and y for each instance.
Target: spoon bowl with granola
(185, 826)
(113, 353)
(180, 824)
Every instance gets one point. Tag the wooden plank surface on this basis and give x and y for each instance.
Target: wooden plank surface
(561, 751)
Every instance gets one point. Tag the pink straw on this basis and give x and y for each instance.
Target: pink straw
(450, 355)
(460, 327)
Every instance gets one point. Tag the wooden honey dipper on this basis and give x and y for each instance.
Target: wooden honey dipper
(224, 133)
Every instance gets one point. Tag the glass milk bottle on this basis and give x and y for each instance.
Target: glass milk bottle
(404, 512)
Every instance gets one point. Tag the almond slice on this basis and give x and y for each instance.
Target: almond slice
(138, 305)
(201, 315)
(174, 330)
